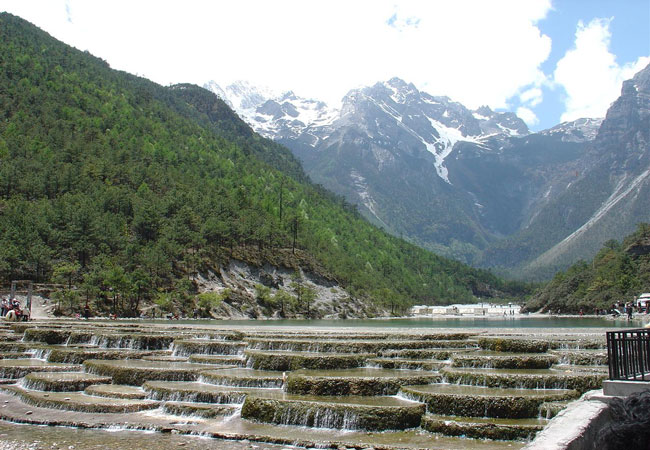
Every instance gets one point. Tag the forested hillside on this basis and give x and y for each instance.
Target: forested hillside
(125, 189)
(618, 273)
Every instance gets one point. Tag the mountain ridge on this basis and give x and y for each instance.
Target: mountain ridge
(392, 146)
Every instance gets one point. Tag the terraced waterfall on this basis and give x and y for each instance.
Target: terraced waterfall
(310, 387)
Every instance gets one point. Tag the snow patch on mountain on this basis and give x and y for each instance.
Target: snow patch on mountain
(444, 146)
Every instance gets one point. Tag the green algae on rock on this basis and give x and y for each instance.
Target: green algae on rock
(284, 361)
(75, 401)
(507, 344)
(116, 391)
(505, 361)
(62, 381)
(525, 379)
(481, 428)
(136, 372)
(204, 410)
(243, 378)
(357, 382)
(332, 415)
(472, 401)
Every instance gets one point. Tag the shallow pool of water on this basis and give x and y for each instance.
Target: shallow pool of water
(433, 322)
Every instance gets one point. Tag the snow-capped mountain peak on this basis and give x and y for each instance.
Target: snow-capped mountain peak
(274, 114)
(395, 115)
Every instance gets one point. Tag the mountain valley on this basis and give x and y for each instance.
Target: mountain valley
(474, 185)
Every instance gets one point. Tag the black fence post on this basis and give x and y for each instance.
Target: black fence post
(628, 354)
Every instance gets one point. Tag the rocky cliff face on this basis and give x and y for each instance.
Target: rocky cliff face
(608, 197)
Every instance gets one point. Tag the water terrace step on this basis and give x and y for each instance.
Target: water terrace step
(476, 401)
(438, 353)
(76, 401)
(412, 364)
(511, 344)
(187, 391)
(587, 357)
(356, 381)
(16, 355)
(554, 378)
(116, 391)
(204, 410)
(18, 368)
(286, 360)
(374, 413)
(230, 360)
(548, 410)
(78, 354)
(363, 336)
(337, 346)
(135, 341)
(239, 377)
(135, 372)
(498, 360)
(62, 381)
(17, 346)
(208, 347)
(168, 358)
(483, 428)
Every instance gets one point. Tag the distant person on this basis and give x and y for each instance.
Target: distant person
(86, 312)
(5, 307)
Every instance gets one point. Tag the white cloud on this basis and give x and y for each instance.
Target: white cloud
(474, 51)
(532, 96)
(590, 74)
(527, 115)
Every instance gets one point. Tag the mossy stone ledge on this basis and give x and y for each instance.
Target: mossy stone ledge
(136, 372)
(134, 341)
(62, 381)
(482, 428)
(514, 345)
(360, 336)
(286, 361)
(526, 379)
(47, 335)
(76, 401)
(16, 355)
(582, 357)
(204, 410)
(439, 354)
(18, 368)
(207, 347)
(229, 360)
(473, 401)
(179, 391)
(336, 346)
(406, 364)
(116, 391)
(74, 355)
(243, 378)
(342, 416)
(548, 410)
(505, 361)
(367, 382)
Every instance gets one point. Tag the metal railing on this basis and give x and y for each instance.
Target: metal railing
(628, 352)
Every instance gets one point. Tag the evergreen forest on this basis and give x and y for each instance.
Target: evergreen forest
(617, 274)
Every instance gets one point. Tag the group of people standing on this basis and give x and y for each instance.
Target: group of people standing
(9, 305)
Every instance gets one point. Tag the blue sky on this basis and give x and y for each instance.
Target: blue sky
(629, 26)
(546, 60)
